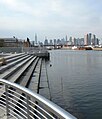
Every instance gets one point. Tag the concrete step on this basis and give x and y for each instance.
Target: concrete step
(34, 83)
(8, 66)
(13, 55)
(26, 78)
(15, 58)
(16, 76)
(10, 71)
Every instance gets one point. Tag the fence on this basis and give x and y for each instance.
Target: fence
(22, 103)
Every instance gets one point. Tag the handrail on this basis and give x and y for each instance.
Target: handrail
(35, 105)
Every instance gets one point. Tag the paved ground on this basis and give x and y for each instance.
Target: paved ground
(3, 115)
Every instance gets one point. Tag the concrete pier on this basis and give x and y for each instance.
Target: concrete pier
(28, 70)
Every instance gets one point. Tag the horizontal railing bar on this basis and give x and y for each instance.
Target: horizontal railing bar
(10, 94)
(44, 112)
(37, 111)
(42, 109)
(17, 102)
(3, 102)
(16, 91)
(17, 111)
(15, 114)
(3, 98)
(3, 94)
(17, 99)
(3, 105)
(53, 108)
(31, 117)
(19, 95)
(17, 107)
(22, 109)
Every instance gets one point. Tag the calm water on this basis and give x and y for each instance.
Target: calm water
(75, 79)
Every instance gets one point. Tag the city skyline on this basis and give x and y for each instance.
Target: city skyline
(88, 39)
(53, 19)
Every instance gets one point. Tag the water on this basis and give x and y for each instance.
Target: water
(75, 79)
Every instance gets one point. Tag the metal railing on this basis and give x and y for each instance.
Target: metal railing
(22, 103)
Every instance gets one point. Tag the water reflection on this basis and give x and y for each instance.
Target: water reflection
(76, 83)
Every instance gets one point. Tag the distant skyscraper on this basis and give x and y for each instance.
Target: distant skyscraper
(66, 38)
(51, 43)
(81, 42)
(70, 41)
(86, 39)
(46, 41)
(89, 38)
(74, 41)
(93, 40)
(58, 41)
(62, 41)
(36, 39)
(55, 42)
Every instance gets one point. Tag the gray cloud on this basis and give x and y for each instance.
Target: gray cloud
(50, 17)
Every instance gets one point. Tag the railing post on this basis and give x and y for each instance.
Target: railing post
(28, 107)
(7, 108)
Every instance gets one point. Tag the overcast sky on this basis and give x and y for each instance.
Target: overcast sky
(50, 18)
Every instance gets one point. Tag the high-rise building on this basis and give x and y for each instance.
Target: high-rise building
(46, 42)
(88, 39)
(55, 42)
(51, 43)
(58, 42)
(66, 38)
(36, 39)
(94, 40)
(62, 41)
(70, 41)
(97, 41)
(81, 42)
(74, 41)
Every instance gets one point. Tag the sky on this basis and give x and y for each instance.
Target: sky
(50, 18)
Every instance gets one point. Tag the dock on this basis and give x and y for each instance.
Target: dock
(27, 70)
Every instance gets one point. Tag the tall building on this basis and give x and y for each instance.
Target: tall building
(58, 42)
(62, 41)
(70, 41)
(46, 42)
(81, 42)
(89, 38)
(74, 41)
(66, 38)
(55, 42)
(94, 40)
(36, 39)
(51, 43)
(86, 38)
(97, 41)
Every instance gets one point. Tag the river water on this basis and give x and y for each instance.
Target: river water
(75, 79)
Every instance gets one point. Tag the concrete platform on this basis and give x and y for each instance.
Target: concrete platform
(44, 84)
